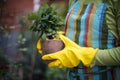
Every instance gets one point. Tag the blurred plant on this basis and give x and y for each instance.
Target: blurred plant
(31, 62)
(8, 67)
(56, 74)
(3, 65)
(46, 22)
(4, 29)
(32, 65)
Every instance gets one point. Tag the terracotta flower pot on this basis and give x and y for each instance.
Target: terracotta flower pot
(50, 46)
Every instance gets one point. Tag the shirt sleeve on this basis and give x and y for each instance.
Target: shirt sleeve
(110, 57)
(118, 19)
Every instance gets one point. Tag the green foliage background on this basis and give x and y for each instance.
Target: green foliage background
(30, 65)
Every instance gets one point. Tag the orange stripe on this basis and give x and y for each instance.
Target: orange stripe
(76, 17)
(87, 25)
(68, 21)
(89, 41)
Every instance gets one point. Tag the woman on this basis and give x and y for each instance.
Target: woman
(92, 47)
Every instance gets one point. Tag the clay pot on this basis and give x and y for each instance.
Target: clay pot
(50, 46)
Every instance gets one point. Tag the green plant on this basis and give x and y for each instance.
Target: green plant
(46, 22)
(56, 74)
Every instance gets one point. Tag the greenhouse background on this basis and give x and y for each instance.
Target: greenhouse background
(19, 59)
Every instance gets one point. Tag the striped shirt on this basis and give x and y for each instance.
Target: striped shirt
(87, 26)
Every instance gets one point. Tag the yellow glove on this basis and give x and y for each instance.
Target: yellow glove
(71, 55)
(39, 47)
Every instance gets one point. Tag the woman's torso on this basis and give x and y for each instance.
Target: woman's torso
(92, 23)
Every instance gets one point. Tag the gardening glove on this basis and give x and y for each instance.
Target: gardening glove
(71, 55)
(39, 47)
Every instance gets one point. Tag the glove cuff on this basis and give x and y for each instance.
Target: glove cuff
(88, 56)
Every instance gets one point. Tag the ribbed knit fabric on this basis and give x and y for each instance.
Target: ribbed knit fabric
(86, 25)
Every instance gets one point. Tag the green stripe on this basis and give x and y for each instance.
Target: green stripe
(78, 23)
(105, 35)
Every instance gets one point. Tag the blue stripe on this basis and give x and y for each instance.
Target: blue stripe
(97, 26)
(118, 73)
(97, 32)
(96, 77)
(109, 75)
(71, 5)
(82, 77)
(72, 19)
(83, 26)
(101, 22)
(110, 40)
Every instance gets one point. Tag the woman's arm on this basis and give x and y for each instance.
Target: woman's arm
(111, 56)
(107, 57)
